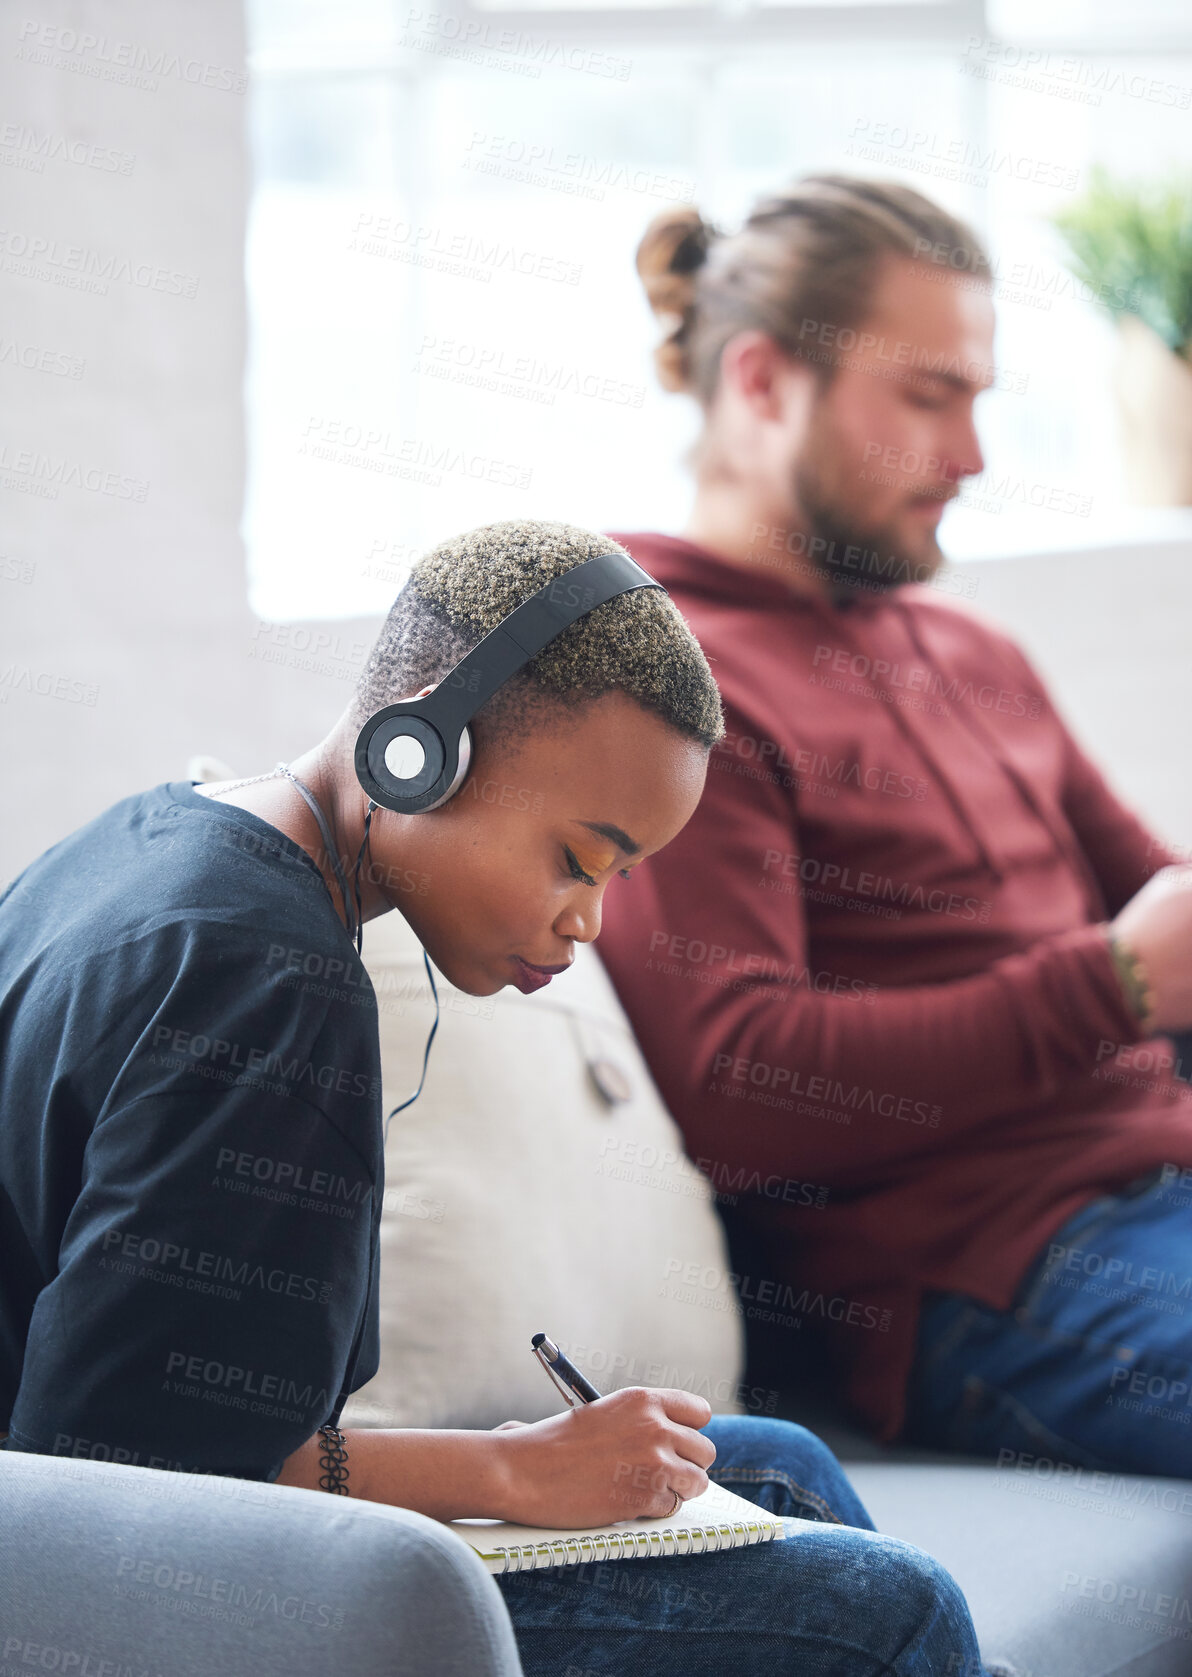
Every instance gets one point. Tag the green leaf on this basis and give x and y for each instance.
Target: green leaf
(1131, 246)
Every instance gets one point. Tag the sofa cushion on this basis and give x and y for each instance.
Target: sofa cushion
(520, 1198)
(1066, 1574)
(108, 1570)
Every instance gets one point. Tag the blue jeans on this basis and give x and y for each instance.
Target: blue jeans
(1093, 1362)
(833, 1600)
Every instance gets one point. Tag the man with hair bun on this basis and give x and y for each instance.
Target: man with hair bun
(910, 937)
(182, 1000)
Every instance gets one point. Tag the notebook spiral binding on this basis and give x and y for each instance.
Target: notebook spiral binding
(626, 1545)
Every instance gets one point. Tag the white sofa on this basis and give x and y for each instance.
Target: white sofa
(520, 1198)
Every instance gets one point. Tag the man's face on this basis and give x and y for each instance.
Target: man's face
(891, 436)
(512, 870)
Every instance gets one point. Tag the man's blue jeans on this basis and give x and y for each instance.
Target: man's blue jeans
(834, 1598)
(1093, 1362)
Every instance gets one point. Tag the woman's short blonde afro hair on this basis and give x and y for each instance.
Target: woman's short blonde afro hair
(457, 592)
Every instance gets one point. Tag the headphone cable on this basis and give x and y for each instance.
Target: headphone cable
(426, 1052)
(368, 815)
(354, 930)
(356, 924)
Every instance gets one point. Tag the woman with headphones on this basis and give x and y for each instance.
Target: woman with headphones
(190, 1076)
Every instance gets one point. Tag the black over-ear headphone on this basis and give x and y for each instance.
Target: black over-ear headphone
(413, 756)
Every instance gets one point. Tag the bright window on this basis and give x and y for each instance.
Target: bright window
(446, 325)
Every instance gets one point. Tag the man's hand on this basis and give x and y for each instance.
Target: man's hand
(1156, 925)
(623, 1456)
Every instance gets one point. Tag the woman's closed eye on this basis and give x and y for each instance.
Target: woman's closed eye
(577, 870)
(574, 868)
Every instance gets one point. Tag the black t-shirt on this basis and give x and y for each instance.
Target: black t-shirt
(191, 1161)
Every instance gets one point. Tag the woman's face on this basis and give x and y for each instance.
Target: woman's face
(505, 878)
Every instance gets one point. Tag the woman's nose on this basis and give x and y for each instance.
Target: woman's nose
(581, 919)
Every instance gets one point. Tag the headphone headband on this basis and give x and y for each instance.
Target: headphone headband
(413, 755)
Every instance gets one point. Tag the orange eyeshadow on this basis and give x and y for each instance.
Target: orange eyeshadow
(593, 861)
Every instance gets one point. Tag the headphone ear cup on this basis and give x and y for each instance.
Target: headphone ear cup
(411, 757)
(465, 761)
(400, 757)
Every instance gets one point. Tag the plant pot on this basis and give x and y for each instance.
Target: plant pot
(1154, 395)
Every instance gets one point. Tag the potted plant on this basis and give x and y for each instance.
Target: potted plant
(1132, 248)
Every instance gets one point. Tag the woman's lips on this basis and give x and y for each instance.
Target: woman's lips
(528, 978)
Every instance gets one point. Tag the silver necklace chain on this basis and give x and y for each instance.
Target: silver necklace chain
(249, 780)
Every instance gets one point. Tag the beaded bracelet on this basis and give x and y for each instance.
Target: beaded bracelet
(1133, 979)
(333, 1460)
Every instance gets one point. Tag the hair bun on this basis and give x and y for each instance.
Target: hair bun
(671, 250)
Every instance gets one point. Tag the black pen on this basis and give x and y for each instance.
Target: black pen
(565, 1375)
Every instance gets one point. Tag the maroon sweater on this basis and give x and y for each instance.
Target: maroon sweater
(871, 975)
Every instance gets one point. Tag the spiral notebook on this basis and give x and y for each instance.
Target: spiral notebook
(717, 1519)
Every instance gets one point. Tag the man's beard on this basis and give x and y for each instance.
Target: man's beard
(858, 559)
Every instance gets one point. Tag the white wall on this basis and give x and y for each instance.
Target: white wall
(138, 605)
(1111, 629)
(143, 604)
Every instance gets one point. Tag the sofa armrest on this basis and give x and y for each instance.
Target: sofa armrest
(106, 1568)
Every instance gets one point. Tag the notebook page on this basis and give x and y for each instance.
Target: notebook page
(727, 1520)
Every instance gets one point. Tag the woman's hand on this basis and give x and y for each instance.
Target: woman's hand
(623, 1456)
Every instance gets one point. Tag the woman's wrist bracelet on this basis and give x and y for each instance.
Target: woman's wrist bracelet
(333, 1459)
(1132, 977)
